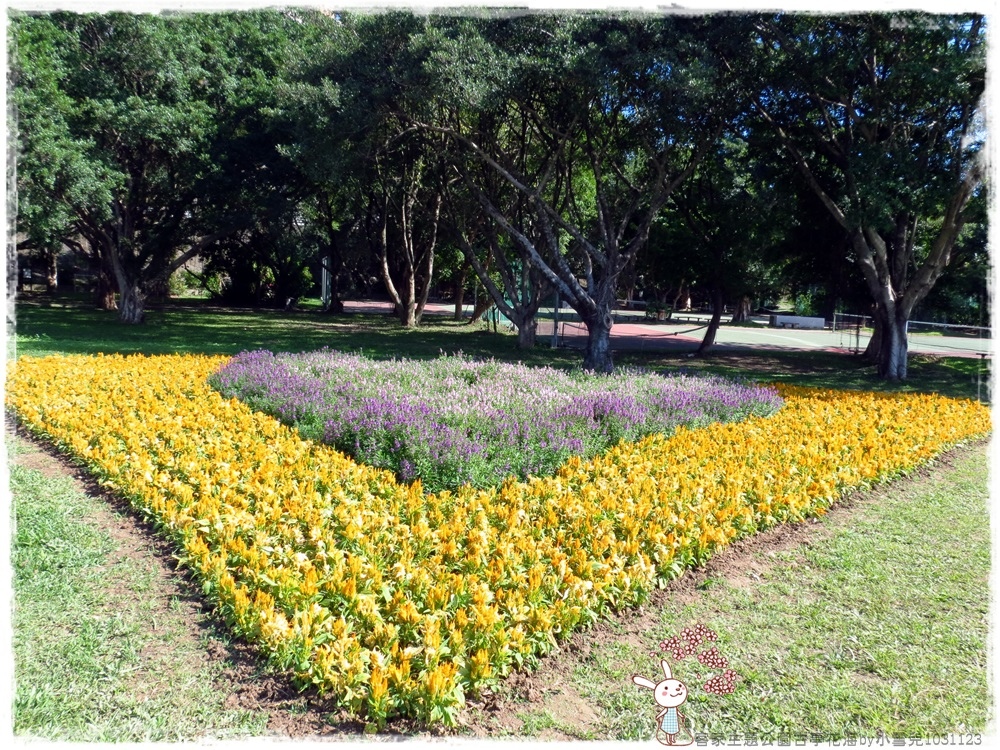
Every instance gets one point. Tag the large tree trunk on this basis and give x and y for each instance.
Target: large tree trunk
(871, 352)
(894, 352)
(106, 292)
(743, 310)
(132, 306)
(132, 296)
(334, 264)
(889, 345)
(336, 306)
(52, 272)
(677, 297)
(713, 326)
(628, 291)
(459, 292)
(408, 299)
(526, 332)
(408, 310)
(427, 275)
(597, 356)
(403, 304)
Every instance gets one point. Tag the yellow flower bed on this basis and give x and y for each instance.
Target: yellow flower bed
(394, 601)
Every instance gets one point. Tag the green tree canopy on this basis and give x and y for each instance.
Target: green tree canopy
(881, 115)
(131, 125)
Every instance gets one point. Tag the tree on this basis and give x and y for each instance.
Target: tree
(594, 122)
(276, 212)
(504, 268)
(321, 145)
(52, 169)
(409, 218)
(358, 86)
(881, 116)
(134, 150)
(521, 287)
(130, 129)
(726, 224)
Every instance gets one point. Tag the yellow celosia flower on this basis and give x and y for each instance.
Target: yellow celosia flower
(376, 592)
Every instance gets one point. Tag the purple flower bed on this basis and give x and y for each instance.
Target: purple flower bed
(455, 420)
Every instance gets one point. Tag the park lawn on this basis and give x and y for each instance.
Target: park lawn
(71, 326)
(103, 650)
(187, 331)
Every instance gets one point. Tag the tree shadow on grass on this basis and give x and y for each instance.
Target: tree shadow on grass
(64, 325)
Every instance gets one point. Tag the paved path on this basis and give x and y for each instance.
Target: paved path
(628, 334)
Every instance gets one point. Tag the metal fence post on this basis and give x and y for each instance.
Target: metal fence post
(555, 323)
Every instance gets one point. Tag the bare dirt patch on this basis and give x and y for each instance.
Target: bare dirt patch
(249, 685)
(43, 463)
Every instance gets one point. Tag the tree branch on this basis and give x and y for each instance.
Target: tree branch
(804, 168)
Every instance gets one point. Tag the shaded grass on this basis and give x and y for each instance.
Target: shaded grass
(98, 656)
(64, 325)
(71, 328)
(879, 627)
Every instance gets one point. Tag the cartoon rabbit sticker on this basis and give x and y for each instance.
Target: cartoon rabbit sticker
(671, 694)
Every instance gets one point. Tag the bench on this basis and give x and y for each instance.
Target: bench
(796, 321)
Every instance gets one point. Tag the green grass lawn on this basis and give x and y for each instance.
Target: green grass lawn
(959, 377)
(98, 656)
(49, 327)
(65, 325)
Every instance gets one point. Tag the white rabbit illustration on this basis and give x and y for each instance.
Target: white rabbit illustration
(669, 693)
